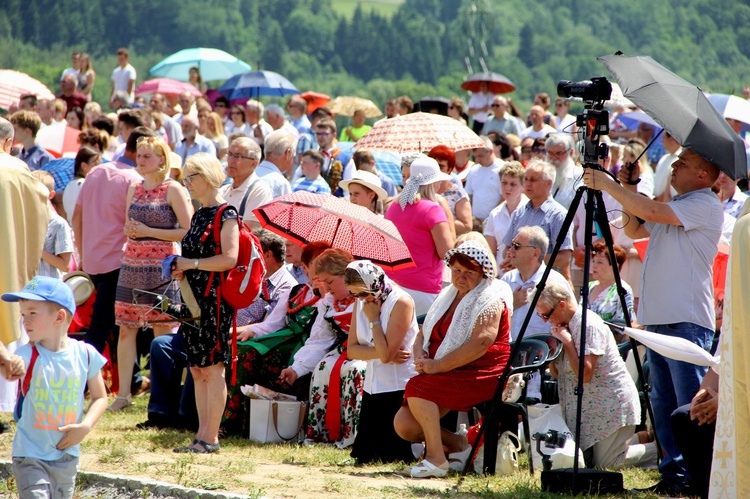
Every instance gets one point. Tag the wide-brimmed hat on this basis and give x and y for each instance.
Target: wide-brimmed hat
(477, 252)
(81, 285)
(369, 180)
(425, 171)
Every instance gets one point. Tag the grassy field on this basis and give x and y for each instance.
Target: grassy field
(383, 7)
(264, 470)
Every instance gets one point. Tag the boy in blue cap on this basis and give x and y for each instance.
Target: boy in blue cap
(50, 408)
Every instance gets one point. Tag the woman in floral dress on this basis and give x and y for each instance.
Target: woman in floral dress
(266, 348)
(158, 216)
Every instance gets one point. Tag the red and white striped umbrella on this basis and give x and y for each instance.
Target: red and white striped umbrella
(14, 84)
(305, 217)
(166, 86)
(419, 132)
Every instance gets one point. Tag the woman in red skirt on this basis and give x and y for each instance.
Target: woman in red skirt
(461, 351)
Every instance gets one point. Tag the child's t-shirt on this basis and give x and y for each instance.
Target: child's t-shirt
(317, 186)
(55, 398)
(59, 240)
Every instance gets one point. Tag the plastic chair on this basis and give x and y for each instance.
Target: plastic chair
(533, 353)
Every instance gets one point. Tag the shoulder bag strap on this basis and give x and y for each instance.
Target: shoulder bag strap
(302, 414)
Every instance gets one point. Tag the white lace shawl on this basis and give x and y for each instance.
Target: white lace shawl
(479, 304)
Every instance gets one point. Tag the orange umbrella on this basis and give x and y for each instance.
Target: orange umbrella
(315, 100)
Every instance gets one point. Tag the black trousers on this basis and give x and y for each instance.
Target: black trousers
(696, 443)
(103, 319)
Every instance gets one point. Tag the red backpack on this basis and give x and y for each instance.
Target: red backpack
(240, 286)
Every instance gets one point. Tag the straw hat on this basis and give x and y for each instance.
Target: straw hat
(369, 180)
(81, 284)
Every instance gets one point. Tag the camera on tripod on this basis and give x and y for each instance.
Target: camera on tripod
(594, 120)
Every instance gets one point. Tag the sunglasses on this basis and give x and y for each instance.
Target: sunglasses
(517, 246)
(547, 315)
(495, 105)
(539, 150)
(363, 294)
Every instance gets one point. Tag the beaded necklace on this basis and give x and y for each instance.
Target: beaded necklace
(342, 305)
(299, 299)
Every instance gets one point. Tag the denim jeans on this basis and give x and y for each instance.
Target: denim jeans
(168, 397)
(674, 384)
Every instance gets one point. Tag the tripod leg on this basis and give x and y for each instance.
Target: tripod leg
(603, 222)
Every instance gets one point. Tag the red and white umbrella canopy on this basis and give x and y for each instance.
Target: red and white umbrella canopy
(59, 140)
(166, 86)
(419, 132)
(14, 84)
(305, 217)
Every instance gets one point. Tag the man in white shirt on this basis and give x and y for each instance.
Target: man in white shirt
(242, 159)
(275, 117)
(254, 112)
(279, 150)
(559, 147)
(538, 128)
(483, 181)
(123, 77)
(480, 105)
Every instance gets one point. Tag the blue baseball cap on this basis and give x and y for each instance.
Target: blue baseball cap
(42, 288)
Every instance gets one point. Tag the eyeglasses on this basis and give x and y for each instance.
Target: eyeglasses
(239, 156)
(539, 150)
(189, 179)
(236, 112)
(546, 316)
(517, 246)
(558, 154)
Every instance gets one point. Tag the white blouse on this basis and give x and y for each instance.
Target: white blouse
(391, 377)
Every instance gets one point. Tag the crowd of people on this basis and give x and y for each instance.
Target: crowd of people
(150, 182)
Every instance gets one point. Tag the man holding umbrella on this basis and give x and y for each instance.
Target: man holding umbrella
(684, 234)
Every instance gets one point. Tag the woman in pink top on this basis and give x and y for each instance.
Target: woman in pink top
(425, 230)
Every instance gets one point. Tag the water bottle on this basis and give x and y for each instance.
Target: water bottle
(462, 430)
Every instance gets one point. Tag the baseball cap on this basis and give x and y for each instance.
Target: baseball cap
(42, 288)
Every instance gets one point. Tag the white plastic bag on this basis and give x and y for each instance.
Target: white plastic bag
(543, 418)
(508, 447)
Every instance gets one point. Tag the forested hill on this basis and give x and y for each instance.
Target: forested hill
(419, 41)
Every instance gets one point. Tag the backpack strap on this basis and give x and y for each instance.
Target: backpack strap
(27, 377)
(245, 197)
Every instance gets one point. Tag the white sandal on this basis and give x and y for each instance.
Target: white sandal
(120, 402)
(426, 469)
(457, 460)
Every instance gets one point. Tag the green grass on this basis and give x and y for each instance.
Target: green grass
(275, 470)
(386, 8)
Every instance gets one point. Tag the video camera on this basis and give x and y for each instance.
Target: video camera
(594, 120)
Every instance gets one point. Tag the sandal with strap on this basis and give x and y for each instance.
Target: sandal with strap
(426, 469)
(209, 448)
(187, 448)
(120, 402)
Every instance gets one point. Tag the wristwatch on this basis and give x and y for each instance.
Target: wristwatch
(195, 264)
(374, 323)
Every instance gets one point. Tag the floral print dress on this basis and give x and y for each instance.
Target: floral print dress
(207, 344)
(351, 386)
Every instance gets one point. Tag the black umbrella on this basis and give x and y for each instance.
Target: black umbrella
(681, 109)
(436, 105)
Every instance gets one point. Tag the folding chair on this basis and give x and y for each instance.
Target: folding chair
(533, 353)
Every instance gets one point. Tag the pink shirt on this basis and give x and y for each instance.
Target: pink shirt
(415, 223)
(102, 199)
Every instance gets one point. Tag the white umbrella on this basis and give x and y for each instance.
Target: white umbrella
(670, 346)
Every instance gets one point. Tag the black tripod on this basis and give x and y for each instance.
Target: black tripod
(568, 480)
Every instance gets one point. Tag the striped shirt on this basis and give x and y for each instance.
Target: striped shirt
(318, 186)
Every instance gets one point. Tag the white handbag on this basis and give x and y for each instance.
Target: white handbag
(508, 447)
(276, 421)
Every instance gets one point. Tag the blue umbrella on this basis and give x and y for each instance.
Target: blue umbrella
(387, 162)
(633, 118)
(214, 64)
(253, 84)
